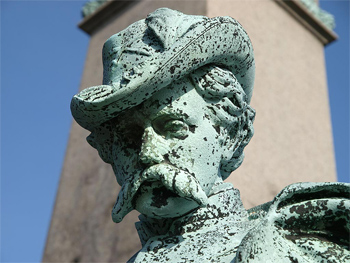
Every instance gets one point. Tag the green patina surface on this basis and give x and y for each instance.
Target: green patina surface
(91, 7)
(325, 17)
(173, 117)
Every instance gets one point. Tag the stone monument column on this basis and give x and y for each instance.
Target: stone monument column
(292, 142)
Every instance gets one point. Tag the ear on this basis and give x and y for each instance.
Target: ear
(235, 141)
(247, 134)
(237, 136)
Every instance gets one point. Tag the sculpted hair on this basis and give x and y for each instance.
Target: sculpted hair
(228, 107)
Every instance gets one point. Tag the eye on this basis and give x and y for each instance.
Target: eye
(175, 126)
(171, 128)
(133, 135)
(128, 134)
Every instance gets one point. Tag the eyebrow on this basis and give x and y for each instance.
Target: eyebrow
(129, 117)
(167, 112)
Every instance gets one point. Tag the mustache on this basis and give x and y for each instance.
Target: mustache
(174, 179)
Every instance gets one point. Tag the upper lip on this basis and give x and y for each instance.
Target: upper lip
(174, 179)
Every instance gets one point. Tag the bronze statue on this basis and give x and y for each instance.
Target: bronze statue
(172, 118)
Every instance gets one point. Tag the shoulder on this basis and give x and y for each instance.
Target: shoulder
(306, 222)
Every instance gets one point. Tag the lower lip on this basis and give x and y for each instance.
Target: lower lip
(155, 190)
(156, 201)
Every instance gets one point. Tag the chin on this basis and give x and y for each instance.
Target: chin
(155, 201)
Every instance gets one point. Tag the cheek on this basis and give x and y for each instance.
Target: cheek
(207, 159)
(196, 154)
(125, 162)
(182, 155)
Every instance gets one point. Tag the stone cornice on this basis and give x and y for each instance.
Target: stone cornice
(310, 21)
(103, 10)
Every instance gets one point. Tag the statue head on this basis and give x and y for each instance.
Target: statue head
(172, 116)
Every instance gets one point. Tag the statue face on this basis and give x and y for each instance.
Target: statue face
(166, 153)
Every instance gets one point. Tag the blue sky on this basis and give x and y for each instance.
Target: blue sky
(42, 59)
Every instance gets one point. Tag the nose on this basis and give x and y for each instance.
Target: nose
(153, 148)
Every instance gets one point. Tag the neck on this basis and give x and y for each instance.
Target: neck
(224, 206)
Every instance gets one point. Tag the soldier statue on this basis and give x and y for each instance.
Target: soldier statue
(173, 117)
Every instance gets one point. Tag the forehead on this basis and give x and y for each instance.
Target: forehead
(178, 100)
